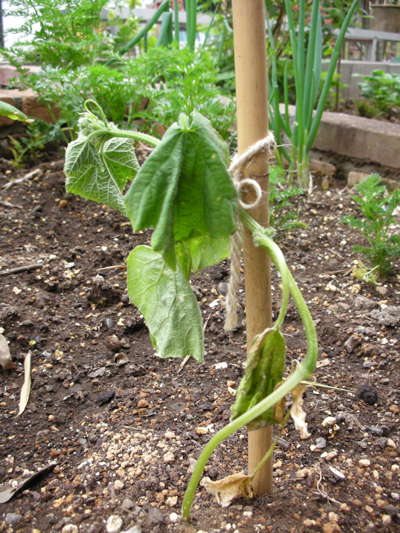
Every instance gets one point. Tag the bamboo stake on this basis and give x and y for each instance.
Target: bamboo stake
(252, 119)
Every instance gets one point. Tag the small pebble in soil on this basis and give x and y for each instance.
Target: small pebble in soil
(114, 524)
(320, 443)
(12, 519)
(169, 458)
(134, 529)
(70, 528)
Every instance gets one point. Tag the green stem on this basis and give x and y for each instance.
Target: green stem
(99, 109)
(221, 47)
(298, 375)
(303, 170)
(134, 135)
(328, 80)
(270, 451)
(260, 239)
(176, 20)
(304, 370)
(163, 7)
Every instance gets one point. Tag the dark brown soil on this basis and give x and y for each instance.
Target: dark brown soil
(120, 424)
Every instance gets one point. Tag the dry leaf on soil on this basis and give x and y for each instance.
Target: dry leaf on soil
(5, 356)
(227, 489)
(26, 387)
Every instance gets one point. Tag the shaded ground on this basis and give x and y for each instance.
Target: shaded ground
(120, 424)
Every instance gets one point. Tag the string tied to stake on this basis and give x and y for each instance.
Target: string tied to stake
(236, 169)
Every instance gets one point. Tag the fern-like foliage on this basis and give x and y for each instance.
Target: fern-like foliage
(377, 209)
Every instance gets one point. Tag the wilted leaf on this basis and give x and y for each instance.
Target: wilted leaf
(167, 302)
(99, 168)
(5, 356)
(26, 387)
(297, 413)
(264, 370)
(184, 190)
(204, 251)
(7, 110)
(227, 489)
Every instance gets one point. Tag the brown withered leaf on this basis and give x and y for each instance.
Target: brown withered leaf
(227, 489)
(297, 413)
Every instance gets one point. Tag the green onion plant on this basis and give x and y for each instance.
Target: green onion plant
(307, 64)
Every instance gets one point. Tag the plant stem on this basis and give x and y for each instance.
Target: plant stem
(176, 20)
(303, 370)
(270, 451)
(298, 375)
(136, 136)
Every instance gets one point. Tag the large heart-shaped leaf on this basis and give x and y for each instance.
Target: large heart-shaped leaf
(167, 302)
(184, 189)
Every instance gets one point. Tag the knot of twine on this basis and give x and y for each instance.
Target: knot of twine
(236, 169)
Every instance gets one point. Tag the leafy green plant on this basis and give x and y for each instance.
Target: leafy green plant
(38, 134)
(281, 215)
(377, 215)
(170, 80)
(184, 191)
(58, 33)
(381, 91)
(188, 82)
(307, 72)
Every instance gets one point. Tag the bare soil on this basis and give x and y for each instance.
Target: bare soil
(117, 425)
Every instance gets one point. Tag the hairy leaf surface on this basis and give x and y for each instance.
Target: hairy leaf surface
(183, 189)
(99, 168)
(167, 302)
(264, 370)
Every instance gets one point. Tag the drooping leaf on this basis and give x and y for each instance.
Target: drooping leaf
(183, 189)
(99, 167)
(7, 110)
(120, 158)
(165, 299)
(205, 251)
(264, 370)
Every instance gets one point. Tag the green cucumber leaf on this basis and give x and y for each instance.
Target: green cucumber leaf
(264, 370)
(7, 110)
(184, 258)
(184, 190)
(204, 251)
(98, 168)
(167, 302)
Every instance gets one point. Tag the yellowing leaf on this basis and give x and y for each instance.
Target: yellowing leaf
(5, 356)
(227, 489)
(26, 387)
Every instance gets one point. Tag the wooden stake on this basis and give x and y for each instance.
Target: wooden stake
(252, 119)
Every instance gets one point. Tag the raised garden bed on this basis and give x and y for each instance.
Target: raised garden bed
(123, 430)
